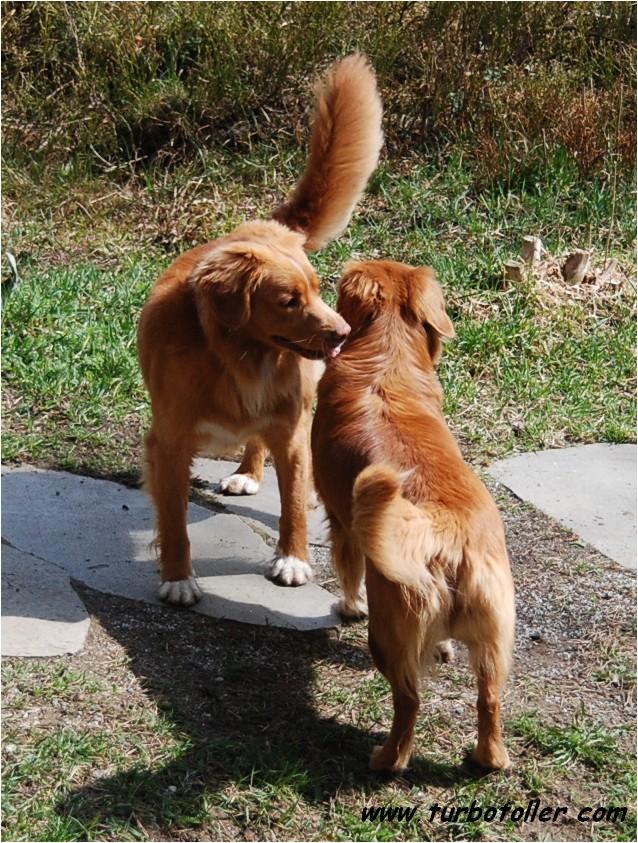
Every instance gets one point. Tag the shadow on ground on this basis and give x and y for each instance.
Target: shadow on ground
(244, 696)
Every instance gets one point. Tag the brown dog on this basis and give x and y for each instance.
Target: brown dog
(403, 505)
(231, 338)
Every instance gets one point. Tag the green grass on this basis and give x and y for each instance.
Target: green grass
(169, 789)
(526, 371)
(581, 742)
(62, 760)
(55, 757)
(40, 681)
(71, 357)
(569, 750)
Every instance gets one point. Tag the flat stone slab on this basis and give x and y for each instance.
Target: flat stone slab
(264, 508)
(99, 533)
(590, 488)
(41, 613)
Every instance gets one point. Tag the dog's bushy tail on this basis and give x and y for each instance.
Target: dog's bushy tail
(344, 150)
(407, 544)
(416, 547)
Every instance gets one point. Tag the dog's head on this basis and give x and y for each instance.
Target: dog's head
(259, 284)
(375, 291)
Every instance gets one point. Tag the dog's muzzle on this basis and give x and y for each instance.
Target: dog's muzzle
(330, 345)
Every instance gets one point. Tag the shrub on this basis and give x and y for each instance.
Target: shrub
(509, 82)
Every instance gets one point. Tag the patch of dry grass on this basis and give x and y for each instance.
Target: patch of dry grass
(112, 87)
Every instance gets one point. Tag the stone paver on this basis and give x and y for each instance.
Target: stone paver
(99, 533)
(263, 508)
(41, 613)
(590, 488)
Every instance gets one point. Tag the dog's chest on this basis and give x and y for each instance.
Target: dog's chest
(215, 439)
(256, 395)
(243, 408)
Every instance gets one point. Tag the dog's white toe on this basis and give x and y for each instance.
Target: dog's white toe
(239, 484)
(180, 592)
(288, 570)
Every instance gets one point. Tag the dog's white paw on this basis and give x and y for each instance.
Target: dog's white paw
(353, 610)
(180, 592)
(444, 652)
(288, 570)
(239, 484)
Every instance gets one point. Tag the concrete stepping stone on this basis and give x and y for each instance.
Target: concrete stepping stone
(589, 488)
(264, 508)
(41, 613)
(99, 533)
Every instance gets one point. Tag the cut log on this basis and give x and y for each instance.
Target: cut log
(514, 270)
(576, 266)
(532, 250)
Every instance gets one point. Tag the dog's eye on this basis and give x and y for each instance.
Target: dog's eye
(291, 303)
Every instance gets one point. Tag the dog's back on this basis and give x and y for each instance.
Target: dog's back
(380, 402)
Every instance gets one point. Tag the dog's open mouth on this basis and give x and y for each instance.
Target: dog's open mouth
(309, 353)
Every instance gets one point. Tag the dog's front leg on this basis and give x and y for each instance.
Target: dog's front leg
(292, 461)
(167, 479)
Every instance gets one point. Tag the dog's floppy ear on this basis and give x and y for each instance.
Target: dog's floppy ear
(224, 283)
(426, 302)
(361, 295)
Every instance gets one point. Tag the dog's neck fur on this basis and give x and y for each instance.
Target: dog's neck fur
(384, 390)
(387, 355)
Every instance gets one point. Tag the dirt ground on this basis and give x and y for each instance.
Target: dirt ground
(250, 702)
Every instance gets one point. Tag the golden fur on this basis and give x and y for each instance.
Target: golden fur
(404, 508)
(231, 338)
(344, 150)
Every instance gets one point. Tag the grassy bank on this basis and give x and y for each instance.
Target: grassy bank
(133, 131)
(114, 86)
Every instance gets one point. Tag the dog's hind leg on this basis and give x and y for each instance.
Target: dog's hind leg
(394, 636)
(349, 565)
(489, 664)
(395, 753)
(490, 751)
(167, 479)
(247, 479)
(490, 645)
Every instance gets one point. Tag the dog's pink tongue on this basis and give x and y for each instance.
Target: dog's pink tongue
(334, 352)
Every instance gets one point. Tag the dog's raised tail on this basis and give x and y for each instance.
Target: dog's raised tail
(404, 542)
(344, 149)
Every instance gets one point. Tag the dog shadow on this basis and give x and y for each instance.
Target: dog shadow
(243, 697)
(245, 702)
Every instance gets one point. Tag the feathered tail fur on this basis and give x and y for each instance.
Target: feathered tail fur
(410, 545)
(417, 547)
(344, 150)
